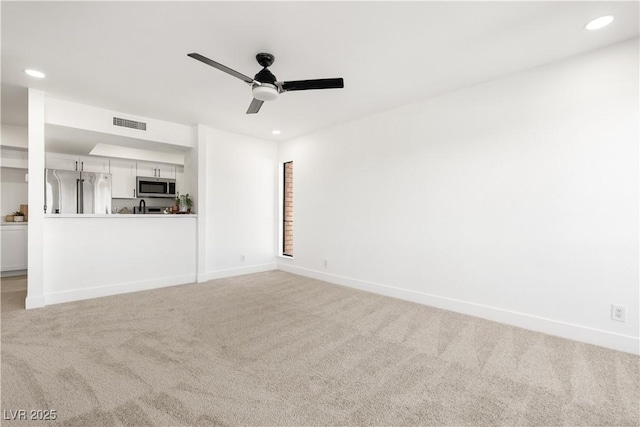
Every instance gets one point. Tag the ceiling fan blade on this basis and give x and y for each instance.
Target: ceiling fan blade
(255, 105)
(312, 84)
(221, 67)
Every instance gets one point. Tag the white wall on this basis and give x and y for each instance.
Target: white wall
(14, 136)
(13, 190)
(35, 242)
(515, 200)
(73, 115)
(13, 186)
(240, 200)
(196, 161)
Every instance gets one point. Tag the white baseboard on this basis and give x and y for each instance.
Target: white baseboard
(34, 301)
(628, 344)
(14, 272)
(14, 267)
(145, 285)
(120, 288)
(231, 272)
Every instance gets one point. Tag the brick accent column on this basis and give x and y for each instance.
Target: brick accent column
(288, 210)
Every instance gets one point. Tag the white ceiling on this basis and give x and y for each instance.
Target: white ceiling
(132, 56)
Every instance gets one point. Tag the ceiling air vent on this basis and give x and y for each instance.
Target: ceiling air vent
(117, 121)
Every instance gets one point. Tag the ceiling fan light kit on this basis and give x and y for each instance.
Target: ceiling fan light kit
(264, 85)
(265, 92)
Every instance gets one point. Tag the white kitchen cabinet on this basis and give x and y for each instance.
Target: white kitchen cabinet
(65, 162)
(167, 171)
(70, 162)
(156, 170)
(94, 164)
(123, 179)
(14, 247)
(146, 169)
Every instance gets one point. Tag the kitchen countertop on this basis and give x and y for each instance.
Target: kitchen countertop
(121, 216)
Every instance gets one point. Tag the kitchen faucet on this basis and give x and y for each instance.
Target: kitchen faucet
(142, 207)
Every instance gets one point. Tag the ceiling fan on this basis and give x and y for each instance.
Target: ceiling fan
(264, 86)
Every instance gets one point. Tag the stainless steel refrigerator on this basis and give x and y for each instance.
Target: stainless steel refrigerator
(77, 192)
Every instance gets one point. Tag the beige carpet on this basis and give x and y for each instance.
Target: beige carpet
(279, 349)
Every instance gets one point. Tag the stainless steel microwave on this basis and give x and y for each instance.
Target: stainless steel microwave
(155, 187)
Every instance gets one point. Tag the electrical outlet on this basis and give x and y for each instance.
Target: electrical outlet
(242, 258)
(326, 263)
(619, 312)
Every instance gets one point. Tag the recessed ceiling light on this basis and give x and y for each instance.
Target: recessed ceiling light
(276, 132)
(598, 23)
(35, 73)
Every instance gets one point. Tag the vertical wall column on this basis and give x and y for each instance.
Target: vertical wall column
(200, 160)
(35, 252)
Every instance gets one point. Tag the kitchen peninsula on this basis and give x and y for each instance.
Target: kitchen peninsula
(97, 244)
(95, 255)
(78, 248)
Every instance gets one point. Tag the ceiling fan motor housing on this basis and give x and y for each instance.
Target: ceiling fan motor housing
(265, 76)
